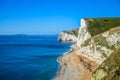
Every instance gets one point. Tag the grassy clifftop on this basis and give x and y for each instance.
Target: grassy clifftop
(100, 25)
(97, 25)
(73, 32)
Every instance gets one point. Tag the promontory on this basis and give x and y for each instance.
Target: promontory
(96, 52)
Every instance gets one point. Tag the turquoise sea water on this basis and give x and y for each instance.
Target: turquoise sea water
(30, 57)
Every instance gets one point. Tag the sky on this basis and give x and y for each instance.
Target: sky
(49, 17)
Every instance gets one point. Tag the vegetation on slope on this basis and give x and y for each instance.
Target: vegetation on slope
(100, 25)
(101, 40)
(98, 39)
(73, 32)
(110, 68)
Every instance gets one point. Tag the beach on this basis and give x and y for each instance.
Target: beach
(74, 67)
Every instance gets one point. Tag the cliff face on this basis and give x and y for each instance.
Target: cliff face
(83, 33)
(71, 35)
(97, 40)
(66, 37)
(94, 26)
(99, 47)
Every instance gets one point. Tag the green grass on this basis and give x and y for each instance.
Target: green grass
(100, 25)
(73, 32)
(98, 40)
(111, 66)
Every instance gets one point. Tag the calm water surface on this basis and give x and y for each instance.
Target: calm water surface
(30, 57)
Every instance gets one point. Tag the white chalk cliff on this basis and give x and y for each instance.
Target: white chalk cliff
(89, 52)
(99, 47)
(66, 37)
(83, 33)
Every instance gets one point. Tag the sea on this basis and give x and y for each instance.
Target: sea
(30, 57)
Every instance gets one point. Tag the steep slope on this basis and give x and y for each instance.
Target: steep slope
(100, 25)
(93, 26)
(99, 47)
(110, 68)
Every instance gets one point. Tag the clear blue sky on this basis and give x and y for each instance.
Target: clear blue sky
(51, 16)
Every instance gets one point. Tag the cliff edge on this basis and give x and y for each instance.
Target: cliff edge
(96, 52)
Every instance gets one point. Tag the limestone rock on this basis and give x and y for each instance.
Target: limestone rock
(65, 37)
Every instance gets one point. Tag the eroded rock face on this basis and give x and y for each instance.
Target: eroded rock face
(91, 52)
(65, 37)
(83, 33)
(113, 37)
(99, 47)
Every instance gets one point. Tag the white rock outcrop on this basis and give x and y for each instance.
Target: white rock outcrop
(66, 37)
(83, 33)
(101, 49)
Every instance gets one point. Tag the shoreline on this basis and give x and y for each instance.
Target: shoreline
(73, 49)
(65, 53)
(76, 66)
(60, 63)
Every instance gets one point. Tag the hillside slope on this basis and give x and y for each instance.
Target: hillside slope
(110, 68)
(100, 25)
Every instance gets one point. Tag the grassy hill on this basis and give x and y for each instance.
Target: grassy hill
(100, 25)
